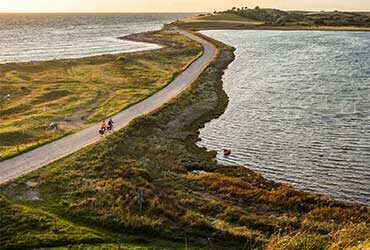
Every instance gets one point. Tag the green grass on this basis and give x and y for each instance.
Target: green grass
(23, 226)
(75, 93)
(126, 246)
(227, 207)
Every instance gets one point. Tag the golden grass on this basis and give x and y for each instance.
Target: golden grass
(220, 18)
(219, 21)
(75, 93)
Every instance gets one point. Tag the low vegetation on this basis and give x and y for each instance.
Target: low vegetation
(150, 181)
(75, 93)
(258, 18)
(279, 17)
(25, 227)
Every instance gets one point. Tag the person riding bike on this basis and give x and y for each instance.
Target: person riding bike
(110, 124)
(103, 127)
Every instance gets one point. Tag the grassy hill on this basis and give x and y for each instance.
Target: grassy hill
(226, 17)
(279, 17)
(258, 18)
(149, 186)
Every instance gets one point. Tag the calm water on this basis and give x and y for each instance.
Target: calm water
(299, 109)
(34, 37)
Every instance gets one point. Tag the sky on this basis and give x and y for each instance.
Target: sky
(174, 5)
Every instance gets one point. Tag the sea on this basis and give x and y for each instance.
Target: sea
(299, 109)
(42, 37)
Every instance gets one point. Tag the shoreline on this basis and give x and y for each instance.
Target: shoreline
(140, 38)
(244, 166)
(66, 60)
(284, 28)
(88, 134)
(183, 185)
(163, 49)
(287, 28)
(231, 206)
(222, 160)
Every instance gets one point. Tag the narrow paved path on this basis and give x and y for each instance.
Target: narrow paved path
(44, 155)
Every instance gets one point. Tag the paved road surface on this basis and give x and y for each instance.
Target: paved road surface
(44, 155)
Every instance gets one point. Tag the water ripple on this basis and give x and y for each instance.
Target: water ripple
(299, 109)
(39, 37)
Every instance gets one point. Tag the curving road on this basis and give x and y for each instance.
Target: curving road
(27, 162)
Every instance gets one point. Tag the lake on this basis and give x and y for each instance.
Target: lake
(299, 109)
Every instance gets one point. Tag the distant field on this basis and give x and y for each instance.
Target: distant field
(238, 21)
(226, 17)
(219, 21)
(74, 93)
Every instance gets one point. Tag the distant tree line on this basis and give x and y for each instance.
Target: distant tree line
(279, 17)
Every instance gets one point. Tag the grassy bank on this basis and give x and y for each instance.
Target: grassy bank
(75, 93)
(151, 186)
(26, 227)
(269, 19)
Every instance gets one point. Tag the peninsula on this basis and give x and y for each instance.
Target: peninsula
(148, 186)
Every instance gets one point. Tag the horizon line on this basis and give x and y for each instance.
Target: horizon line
(105, 12)
(162, 12)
